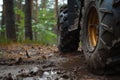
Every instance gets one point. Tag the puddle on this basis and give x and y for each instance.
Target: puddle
(47, 75)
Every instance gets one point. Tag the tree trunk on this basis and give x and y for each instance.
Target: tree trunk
(43, 4)
(18, 17)
(20, 4)
(28, 19)
(36, 18)
(10, 19)
(56, 9)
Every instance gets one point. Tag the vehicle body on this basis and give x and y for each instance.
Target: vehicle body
(96, 23)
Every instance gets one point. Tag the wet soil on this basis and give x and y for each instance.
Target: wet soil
(35, 62)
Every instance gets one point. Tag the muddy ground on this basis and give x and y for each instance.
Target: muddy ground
(35, 62)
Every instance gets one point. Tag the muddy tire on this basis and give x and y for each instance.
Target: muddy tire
(68, 40)
(100, 35)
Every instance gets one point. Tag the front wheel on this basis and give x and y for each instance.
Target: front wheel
(98, 35)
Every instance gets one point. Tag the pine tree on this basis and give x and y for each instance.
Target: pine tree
(10, 19)
(28, 19)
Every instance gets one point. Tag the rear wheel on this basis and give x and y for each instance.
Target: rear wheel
(98, 36)
(68, 40)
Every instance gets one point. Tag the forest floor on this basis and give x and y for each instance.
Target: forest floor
(37, 62)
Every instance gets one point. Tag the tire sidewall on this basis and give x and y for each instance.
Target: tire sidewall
(95, 59)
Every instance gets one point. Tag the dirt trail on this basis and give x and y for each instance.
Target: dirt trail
(34, 62)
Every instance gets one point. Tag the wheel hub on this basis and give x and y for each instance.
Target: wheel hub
(93, 22)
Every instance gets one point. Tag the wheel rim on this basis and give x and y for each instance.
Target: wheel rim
(93, 22)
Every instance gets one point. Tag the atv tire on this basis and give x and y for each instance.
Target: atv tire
(100, 38)
(68, 40)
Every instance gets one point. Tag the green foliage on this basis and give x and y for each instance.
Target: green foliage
(20, 24)
(44, 35)
(3, 34)
(47, 17)
(3, 40)
(44, 28)
(2, 30)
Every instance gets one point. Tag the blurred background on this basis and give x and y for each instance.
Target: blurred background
(29, 20)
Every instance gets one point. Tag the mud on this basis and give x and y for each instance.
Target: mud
(44, 63)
